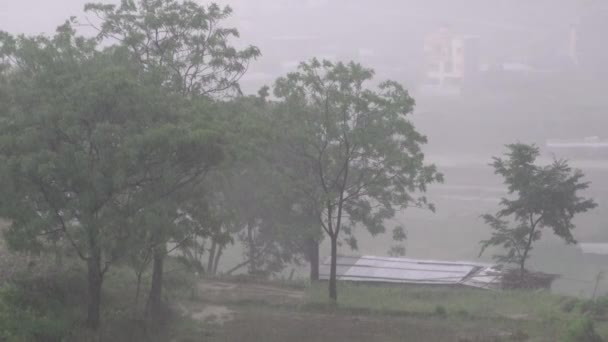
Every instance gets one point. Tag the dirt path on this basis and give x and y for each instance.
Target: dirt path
(218, 301)
(211, 314)
(222, 292)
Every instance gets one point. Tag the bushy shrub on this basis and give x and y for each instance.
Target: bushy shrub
(581, 330)
(441, 311)
(25, 316)
(569, 304)
(597, 308)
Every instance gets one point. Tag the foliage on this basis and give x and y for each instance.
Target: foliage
(86, 144)
(184, 42)
(569, 304)
(185, 49)
(597, 308)
(351, 152)
(204, 225)
(28, 313)
(258, 204)
(399, 235)
(397, 251)
(581, 330)
(440, 311)
(544, 197)
(514, 240)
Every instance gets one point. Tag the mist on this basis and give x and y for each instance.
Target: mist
(535, 74)
(539, 74)
(482, 74)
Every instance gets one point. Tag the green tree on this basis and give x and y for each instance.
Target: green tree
(185, 42)
(211, 226)
(263, 209)
(189, 51)
(540, 197)
(85, 144)
(360, 153)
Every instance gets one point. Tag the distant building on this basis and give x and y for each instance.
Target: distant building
(573, 45)
(589, 147)
(594, 248)
(451, 61)
(587, 47)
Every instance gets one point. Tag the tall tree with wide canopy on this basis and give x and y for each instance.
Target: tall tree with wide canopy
(183, 39)
(85, 143)
(541, 196)
(362, 153)
(188, 49)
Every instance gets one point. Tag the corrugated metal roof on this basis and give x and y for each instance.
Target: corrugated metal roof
(594, 248)
(412, 271)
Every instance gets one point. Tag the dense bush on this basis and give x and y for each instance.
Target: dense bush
(581, 330)
(29, 316)
(440, 311)
(569, 304)
(597, 308)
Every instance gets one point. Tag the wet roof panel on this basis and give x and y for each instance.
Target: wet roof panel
(413, 271)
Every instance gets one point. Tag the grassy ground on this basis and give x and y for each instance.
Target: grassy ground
(242, 309)
(428, 300)
(380, 313)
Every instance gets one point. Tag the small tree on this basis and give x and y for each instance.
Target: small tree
(265, 213)
(541, 197)
(360, 153)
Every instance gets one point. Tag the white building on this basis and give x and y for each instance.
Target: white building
(451, 61)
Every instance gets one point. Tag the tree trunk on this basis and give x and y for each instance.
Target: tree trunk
(217, 259)
(155, 305)
(333, 290)
(137, 291)
(522, 268)
(58, 254)
(94, 280)
(522, 272)
(210, 261)
(251, 243)
(313, 257)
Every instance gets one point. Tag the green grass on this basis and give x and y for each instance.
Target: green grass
(364, 311)
(425, 300)
(539, 314)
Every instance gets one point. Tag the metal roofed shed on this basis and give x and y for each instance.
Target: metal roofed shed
(374, 269)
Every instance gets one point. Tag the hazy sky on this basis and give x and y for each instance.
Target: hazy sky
(43, 16)
(37, 16)
(386, 35)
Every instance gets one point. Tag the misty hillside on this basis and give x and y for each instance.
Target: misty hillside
(303, 170)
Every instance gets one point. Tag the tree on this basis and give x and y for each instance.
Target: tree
(360, 153)
(541, 197)
(207, 226)
(263, 209)
(85, 144)
(398, 250)
(184, 41)
(187, 50)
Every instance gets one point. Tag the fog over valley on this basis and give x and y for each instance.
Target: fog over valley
(303, 170)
